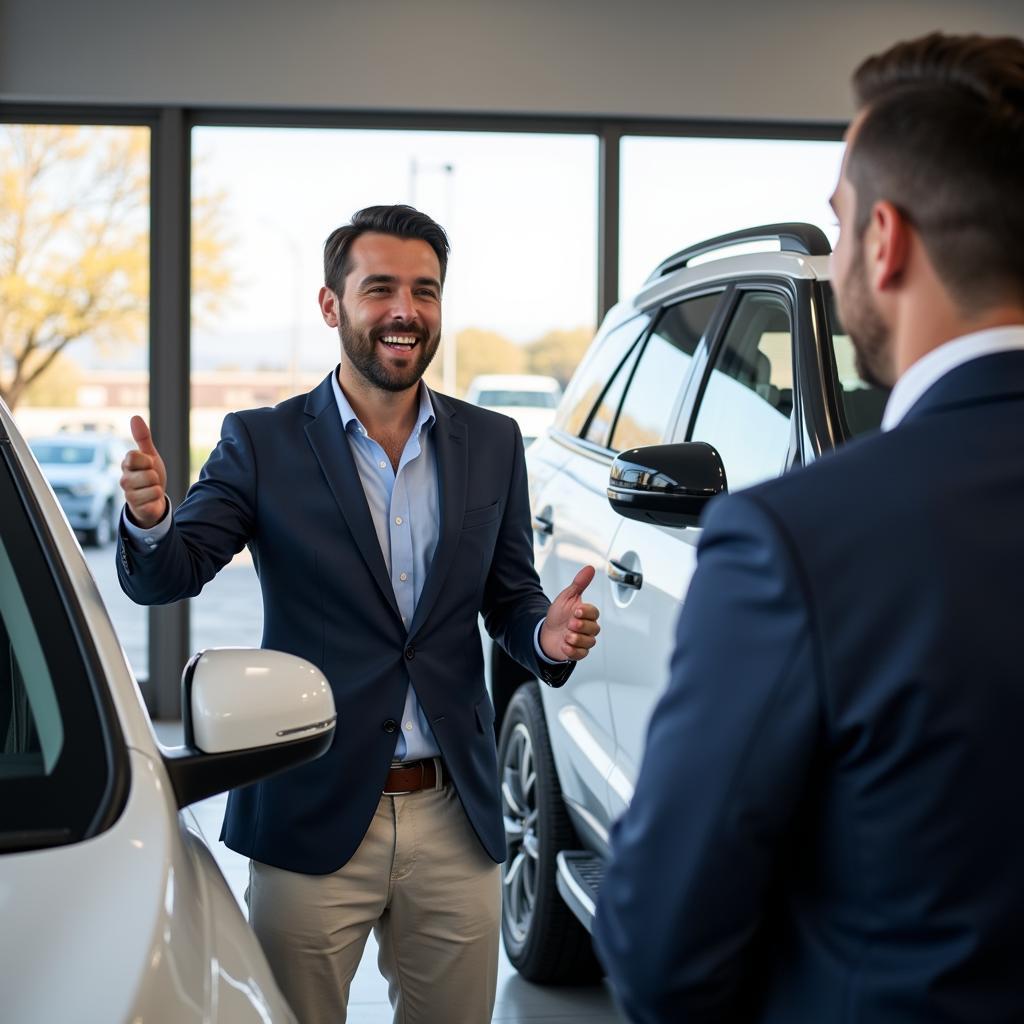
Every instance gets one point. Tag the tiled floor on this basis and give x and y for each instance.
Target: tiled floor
(517, 1000)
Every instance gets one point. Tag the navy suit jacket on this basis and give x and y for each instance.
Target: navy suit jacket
(283, 481)
(828, 821)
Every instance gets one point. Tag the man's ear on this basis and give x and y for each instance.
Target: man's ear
(329, 306)
(887, 245)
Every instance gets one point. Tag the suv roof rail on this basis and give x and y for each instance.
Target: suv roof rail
(806, 238)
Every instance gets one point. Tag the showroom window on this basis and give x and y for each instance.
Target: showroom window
(74, 288)
(520, 210)
(678, 191)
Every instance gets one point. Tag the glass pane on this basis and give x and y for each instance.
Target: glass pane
(587, 384)
(74, 291)
(863, 405)
(661, 374)
(676, 192)
(520, 295)
(748, 400)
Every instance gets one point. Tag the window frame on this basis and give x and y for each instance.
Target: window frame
(170, 161)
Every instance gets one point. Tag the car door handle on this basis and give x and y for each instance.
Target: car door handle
(624, 577)
(542, 524)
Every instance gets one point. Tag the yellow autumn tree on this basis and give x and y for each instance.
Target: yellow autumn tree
(74, 245)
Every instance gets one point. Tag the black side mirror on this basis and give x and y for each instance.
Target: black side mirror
(667, 484)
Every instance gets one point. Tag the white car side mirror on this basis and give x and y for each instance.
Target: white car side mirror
(247, 714)
(240, 698)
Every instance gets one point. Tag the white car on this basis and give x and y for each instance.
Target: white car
(530, 399)
(84, 470)
(724, 370)
(113, 908)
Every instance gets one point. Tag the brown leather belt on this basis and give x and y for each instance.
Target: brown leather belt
(412, 776)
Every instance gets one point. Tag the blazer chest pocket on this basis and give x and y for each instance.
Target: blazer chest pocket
(480, 516)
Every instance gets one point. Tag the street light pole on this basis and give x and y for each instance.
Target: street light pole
(448, 349)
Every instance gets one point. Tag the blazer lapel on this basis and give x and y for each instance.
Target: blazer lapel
(450, 448)
(332, 450)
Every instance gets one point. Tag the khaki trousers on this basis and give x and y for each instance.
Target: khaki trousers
(422, 881)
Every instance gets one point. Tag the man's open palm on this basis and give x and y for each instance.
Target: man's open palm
(144, 478)
(570, 628)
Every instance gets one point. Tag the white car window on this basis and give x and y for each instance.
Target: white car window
(661, 373)
(62, 768)
(747, 403)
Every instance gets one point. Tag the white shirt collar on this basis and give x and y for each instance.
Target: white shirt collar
(940, 361)
(349, 417)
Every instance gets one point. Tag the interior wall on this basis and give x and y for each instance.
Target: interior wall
(727, 59)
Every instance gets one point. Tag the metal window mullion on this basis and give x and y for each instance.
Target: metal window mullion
(610, 138)
(170, 230)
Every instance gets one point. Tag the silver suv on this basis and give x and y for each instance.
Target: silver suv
(723, 371)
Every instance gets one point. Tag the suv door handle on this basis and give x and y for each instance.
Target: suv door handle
(543, 525)
(624, 577)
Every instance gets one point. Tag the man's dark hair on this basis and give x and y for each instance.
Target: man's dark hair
(942, 139)
(401, 221)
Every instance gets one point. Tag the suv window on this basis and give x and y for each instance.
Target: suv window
(747, 403)
(863, 405)
(56, 767)
(661, 373)
(588, 383)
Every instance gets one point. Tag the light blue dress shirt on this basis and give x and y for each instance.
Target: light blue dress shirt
(404, 508)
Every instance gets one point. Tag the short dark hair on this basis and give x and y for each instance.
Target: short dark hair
(400, 220)
(941, 137)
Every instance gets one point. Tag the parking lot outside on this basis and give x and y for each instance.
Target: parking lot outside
(229, 613)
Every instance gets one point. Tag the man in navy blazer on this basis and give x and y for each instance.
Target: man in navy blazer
(382, 518)
(826, 825)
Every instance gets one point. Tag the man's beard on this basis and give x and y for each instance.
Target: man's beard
(868, 332)
(361, 349)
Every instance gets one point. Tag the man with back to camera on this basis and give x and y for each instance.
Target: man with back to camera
(382, 518)
(826, 825)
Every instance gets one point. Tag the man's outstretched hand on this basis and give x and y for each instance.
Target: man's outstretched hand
(570, 628)
(143, 478)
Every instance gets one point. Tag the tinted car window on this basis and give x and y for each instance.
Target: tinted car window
(661, 373)
(747, 403)
(603, 419)
(862, 404)
(594, 373)
(57, 761)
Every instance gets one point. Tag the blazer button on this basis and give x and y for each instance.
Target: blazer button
(390, 725)
(410, 652)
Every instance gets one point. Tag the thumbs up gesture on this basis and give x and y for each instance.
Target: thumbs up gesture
(144, 478)
(570, 628)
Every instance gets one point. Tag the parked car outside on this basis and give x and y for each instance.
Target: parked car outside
(84, 468)
(723, 371)
(113, 908)
(530, 399)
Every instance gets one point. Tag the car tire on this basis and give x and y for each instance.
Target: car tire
(543, 939)
(103, 532)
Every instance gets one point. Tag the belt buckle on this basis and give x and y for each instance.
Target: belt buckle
(421, 764)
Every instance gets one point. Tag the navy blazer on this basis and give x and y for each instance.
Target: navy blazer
(283, 481)
(828, 820)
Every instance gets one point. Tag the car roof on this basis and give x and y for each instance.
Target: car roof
(515, 381)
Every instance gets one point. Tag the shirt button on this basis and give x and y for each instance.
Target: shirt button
(383, 465)
(403, 576)
(390, 725)
(398, 520)
(408, 726)
(410, 652)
